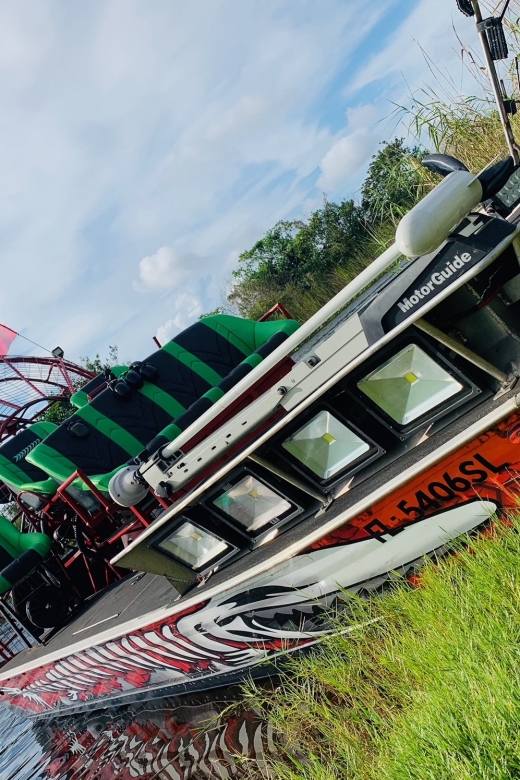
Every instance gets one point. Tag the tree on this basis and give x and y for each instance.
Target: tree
(218, 310)
(301, 262)
(97, 366)
(394, 183)
(296, 255)
(296, 251)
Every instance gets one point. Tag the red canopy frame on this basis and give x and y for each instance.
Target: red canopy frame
(30, 385)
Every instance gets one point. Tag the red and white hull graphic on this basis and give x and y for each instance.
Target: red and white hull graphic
(285, 608)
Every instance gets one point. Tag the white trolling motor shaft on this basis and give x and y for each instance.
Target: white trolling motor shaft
(431, 221)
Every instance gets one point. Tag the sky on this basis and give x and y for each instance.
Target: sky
(144, 144)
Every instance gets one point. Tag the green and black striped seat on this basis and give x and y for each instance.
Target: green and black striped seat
(16, 471)
(81, 396)
(20, 554)
(198, 365)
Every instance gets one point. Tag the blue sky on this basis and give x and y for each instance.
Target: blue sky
(145, 143)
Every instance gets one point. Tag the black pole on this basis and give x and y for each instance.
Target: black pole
(495, 84)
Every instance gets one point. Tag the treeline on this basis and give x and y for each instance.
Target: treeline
(303, 262)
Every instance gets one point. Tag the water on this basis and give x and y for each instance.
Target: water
(204, 736)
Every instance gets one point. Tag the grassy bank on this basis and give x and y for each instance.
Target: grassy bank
(429, 691)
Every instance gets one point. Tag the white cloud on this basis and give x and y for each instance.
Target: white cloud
(188, 308)
(363, 116)
(427, 30)
(129, 126)
(165, 269)
(344, 158)
(24, 37)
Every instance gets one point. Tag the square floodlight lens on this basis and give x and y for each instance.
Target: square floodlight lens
(409, 385)
(325, 445)
(193, 545)
(252, 504)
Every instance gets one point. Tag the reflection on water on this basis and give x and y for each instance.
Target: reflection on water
(166, 739)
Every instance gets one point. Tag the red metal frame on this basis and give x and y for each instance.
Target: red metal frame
(92, 522)
(5, 652)
(61, 495)
(31, 516)
(30, 385)
(278, 308)
(97, 391)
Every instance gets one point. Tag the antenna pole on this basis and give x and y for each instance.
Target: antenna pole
(495, 84)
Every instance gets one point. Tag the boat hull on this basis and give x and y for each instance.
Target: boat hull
(227, 632)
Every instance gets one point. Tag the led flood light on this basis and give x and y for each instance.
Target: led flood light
(252, 504)
(325, 445)
(409, 385)
(252, 501)
(194, 546)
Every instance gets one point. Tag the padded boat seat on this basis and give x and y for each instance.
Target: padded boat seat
(16, 471)
(20, 554)
(110, 430)
(80, 397)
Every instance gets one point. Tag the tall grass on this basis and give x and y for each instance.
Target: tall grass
(428, 691)
(302, 304)
(466, 127)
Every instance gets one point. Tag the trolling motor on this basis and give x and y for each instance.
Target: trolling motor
(431, 221)
(492, 179)
(500, 196)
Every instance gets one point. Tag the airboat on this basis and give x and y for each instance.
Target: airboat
(204, 509)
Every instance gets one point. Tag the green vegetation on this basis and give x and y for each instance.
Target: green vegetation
(59, 411)
(428, 688)
(303, 262)
(96, 365)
